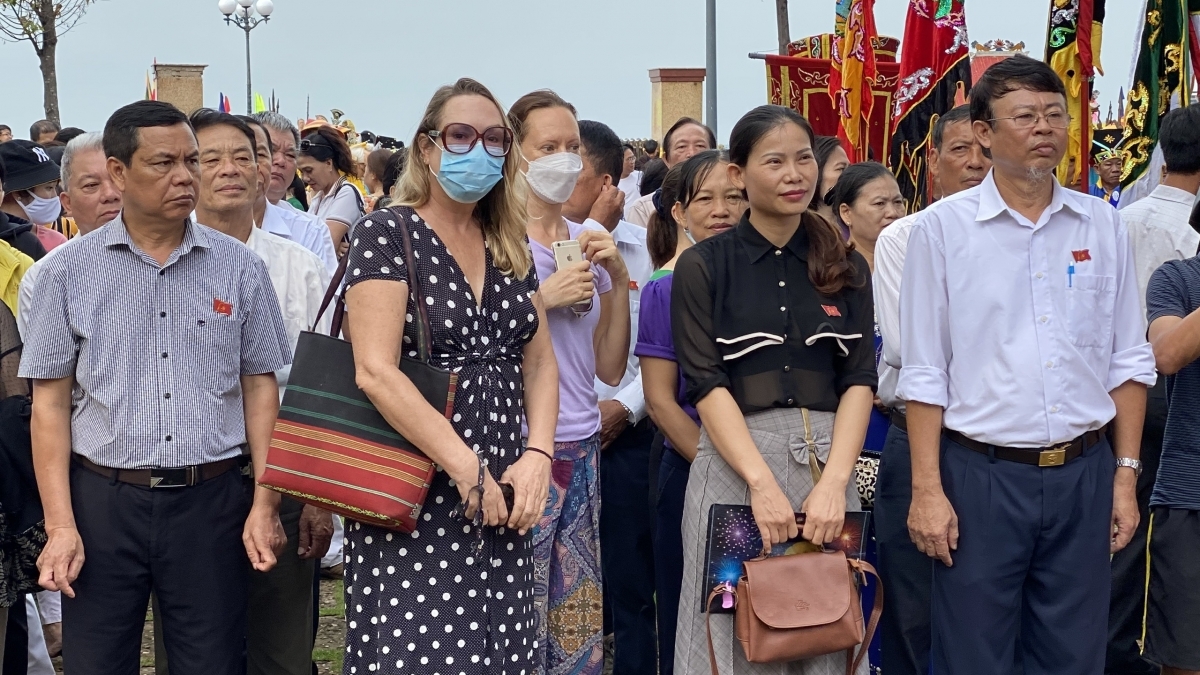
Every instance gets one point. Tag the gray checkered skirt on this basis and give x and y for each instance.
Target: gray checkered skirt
(780, 437)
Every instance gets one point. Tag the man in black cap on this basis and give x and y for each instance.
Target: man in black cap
(1107, 162)
(20, 170)
(32, 190)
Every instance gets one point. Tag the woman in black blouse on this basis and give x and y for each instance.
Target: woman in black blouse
(772, 324)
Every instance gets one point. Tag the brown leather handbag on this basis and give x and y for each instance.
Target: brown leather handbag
(794, 607)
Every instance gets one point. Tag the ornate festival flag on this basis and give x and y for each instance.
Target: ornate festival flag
(1161, 78)
(935, 71)
(852, 72)
(1073, 51)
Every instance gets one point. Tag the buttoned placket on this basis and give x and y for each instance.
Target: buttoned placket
(1049, 325)
(164, 353)
(781, 268)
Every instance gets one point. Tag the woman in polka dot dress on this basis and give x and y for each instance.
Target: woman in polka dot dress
(456, 595)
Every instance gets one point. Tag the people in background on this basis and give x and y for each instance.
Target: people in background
(209, 341)
(31, 195)
(685, 138)
(43, 131)
(391, 175)
(956, 163)
(1108, 163)
(1158, 232)
(831, 162)
(631, 178)
(325, 164)
(767, 391)
(5, 133)
(587, 310)
(1017, 495)
(376, 166)
(67, 134)
(477, 280)
(649, 152)
(703, 203)
(653, 176)
(626, 545)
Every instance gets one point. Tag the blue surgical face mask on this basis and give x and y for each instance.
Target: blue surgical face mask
(468, 178)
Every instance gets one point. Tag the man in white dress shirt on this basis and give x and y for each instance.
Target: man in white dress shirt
(280, 601)
(626, 547)
(1159, 231)
(956, 163)
(1021, 331)
(275, 214)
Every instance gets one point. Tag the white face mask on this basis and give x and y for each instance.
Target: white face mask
(553, 177)
(42, 211)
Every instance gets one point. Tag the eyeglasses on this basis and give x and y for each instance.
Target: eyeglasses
(460, 139)
(1056, 120)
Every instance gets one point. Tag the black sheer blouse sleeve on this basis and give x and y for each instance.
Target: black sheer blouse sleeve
(692, 327)
(858, 367)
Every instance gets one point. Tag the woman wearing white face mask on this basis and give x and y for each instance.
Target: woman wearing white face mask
(29, 194)
(587, 308)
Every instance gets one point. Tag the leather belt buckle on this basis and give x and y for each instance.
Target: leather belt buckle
(1056, 456)
(186, 476)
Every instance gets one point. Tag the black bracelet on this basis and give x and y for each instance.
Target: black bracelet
(541, 452)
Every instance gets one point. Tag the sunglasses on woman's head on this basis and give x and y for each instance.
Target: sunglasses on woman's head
(308, 144)
(459, 139)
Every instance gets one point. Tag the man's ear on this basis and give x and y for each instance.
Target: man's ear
(116, 171)
(65, 200)
(608, 180)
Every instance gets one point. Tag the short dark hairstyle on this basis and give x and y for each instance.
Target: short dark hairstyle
(5, 127)
(1007, 76)
(327, 143)
(681, 123)
(955, 115)
(121, 131)
(823, 147)
(41, 127)
(629, 147)
(602, 147)
(254, 123)
(1179, 138)
(650, 147)
(377, 162)
(653, 175)
(206, 118)
(65, 136)
(850, 186)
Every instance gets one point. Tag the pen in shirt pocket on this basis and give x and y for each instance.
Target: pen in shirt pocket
(1070, 274)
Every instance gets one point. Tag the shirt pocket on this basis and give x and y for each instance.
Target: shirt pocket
(1090, 302)
(217, 342)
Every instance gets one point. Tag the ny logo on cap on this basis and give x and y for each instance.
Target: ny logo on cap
(41, 153)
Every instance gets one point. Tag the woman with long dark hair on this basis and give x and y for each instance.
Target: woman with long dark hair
(771, 324)
(703, 203)
(325, 165)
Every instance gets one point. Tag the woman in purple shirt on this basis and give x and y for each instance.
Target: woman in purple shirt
(698, 201)
(587, 310)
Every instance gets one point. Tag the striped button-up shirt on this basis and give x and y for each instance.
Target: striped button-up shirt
(156, 350)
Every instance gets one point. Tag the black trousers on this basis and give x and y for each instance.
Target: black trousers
(1125, 611)
(668, 553)
(626, 550)
(185, 544)
(907, 573)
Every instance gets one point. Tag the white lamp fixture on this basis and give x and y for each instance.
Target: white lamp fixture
(264, 7)
(245, 3)
(227, 6)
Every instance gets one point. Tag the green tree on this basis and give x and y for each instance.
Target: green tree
(42, 23)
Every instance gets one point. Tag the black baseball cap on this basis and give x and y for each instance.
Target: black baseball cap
(27, 165)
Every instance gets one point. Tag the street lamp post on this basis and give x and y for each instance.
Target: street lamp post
(241, 13)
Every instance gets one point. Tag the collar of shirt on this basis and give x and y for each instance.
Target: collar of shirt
(1173, 194)
(273, 222)
(757, 245)
(992, 204)
(115, 234)
(626, 233)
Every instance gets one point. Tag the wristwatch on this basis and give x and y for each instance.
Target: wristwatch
(1135, 464)
(628, 413)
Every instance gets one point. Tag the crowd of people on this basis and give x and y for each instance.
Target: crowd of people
(744, 323)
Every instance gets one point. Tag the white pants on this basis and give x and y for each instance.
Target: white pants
(39, 657)
(334, 555)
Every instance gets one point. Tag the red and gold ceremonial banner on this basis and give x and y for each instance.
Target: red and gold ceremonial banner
(1073, 51)
(935, 71)
(852, 72)
(802, 84)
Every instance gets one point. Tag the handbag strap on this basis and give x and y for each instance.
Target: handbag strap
(717, 591)
(864, 568)
(334, 284)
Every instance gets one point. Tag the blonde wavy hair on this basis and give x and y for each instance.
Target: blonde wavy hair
(501, 213)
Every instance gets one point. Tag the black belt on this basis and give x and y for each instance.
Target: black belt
(178, 477)
(898, 419)
(1055, 455)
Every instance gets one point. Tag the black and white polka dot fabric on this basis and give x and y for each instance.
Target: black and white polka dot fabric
(420, 602)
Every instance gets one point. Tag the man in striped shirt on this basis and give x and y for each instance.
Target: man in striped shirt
(152, 345)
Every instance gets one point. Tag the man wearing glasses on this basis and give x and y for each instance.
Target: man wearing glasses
(1022, 333)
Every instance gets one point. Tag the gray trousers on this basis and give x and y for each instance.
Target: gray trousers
(279, 639)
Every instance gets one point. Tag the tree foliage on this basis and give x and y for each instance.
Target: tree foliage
(42, 23)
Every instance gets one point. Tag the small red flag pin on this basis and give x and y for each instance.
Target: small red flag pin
(1081, 256)
(222, 307)
(633, 285)
(831, 310)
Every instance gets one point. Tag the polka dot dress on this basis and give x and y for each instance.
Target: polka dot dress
(421, 602)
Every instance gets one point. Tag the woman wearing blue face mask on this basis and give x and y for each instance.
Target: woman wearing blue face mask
(587, 307)
(456, 594)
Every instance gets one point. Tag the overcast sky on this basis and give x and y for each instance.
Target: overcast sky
(380, 60)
